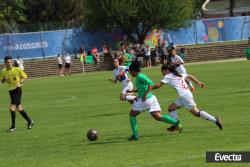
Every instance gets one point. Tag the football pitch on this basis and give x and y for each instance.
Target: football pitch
(64, 108)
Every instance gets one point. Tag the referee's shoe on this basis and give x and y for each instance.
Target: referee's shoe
(11, 130)
(30, 125)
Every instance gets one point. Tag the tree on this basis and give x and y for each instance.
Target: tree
(197, 7)
(137, 16)
(50, 12)
(11, 15)
(232, 6)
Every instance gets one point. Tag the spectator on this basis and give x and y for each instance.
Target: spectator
(95, 53)
(67, 61)
(148, 56)
(183, 52)
(20, 63)
(139, 53)
(127, 59)
(119, 55)
(82, 56)
(60, 64)
(107, 52)
(132, 52)
(162, 51)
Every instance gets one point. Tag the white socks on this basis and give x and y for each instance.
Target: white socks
(173, 114)
(130, 97)
(206, 116)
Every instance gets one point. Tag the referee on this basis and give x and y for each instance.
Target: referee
(14, 77)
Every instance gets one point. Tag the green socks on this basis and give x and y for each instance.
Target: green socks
(168, 119)
(133, 124)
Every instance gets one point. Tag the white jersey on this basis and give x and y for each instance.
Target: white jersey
(59, 60)
(67, 59)
(121, 74)
(180, 68)
(178, 83)
(20, 63)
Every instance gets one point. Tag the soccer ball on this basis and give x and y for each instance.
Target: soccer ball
(92, 135)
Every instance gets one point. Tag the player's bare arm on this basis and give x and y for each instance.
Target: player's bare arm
(158, 85)
(197, 82)
(113, 80)
(146, 93)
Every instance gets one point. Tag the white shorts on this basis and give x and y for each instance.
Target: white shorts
(128, 87)
(150, 104)
(186, 101)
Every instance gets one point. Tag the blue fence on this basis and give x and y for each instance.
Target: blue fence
(47, 44)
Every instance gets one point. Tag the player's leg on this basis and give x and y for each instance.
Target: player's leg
(137, 107)
(19, 107)
(172, 112)
(24, 114)
(130, 97)
(155, 111)
(189, 103)
(206, 116)
(133, 123)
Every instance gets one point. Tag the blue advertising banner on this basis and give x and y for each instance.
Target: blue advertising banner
(51, 43)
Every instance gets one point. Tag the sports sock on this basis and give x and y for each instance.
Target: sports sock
(130, 97)
(134, 126)
(168, 119)
(206, 116)
(25, 116)
(173, 114)
(190, 84)
(13, 119)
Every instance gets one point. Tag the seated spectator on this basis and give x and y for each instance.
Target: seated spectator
(107, 52)
(95, 53)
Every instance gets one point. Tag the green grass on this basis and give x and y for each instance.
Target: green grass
(65, 108)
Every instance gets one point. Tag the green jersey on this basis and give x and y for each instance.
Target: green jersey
(128, 59)
(142, 82)
(247, 52)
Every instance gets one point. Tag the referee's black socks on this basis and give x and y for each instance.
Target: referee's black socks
(13, 119)
(25, 116)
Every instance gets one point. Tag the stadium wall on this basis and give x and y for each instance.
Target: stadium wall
(200, 53)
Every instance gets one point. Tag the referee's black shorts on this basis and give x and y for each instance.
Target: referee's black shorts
(15, 96)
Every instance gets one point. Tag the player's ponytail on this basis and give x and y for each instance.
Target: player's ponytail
(171, 68)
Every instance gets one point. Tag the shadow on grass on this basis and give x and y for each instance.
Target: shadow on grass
(107, 115)
(125, 139)
(241, 92)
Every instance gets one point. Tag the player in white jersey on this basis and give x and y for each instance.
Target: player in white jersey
(120, 73)
(177, 81)
(178, 62)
